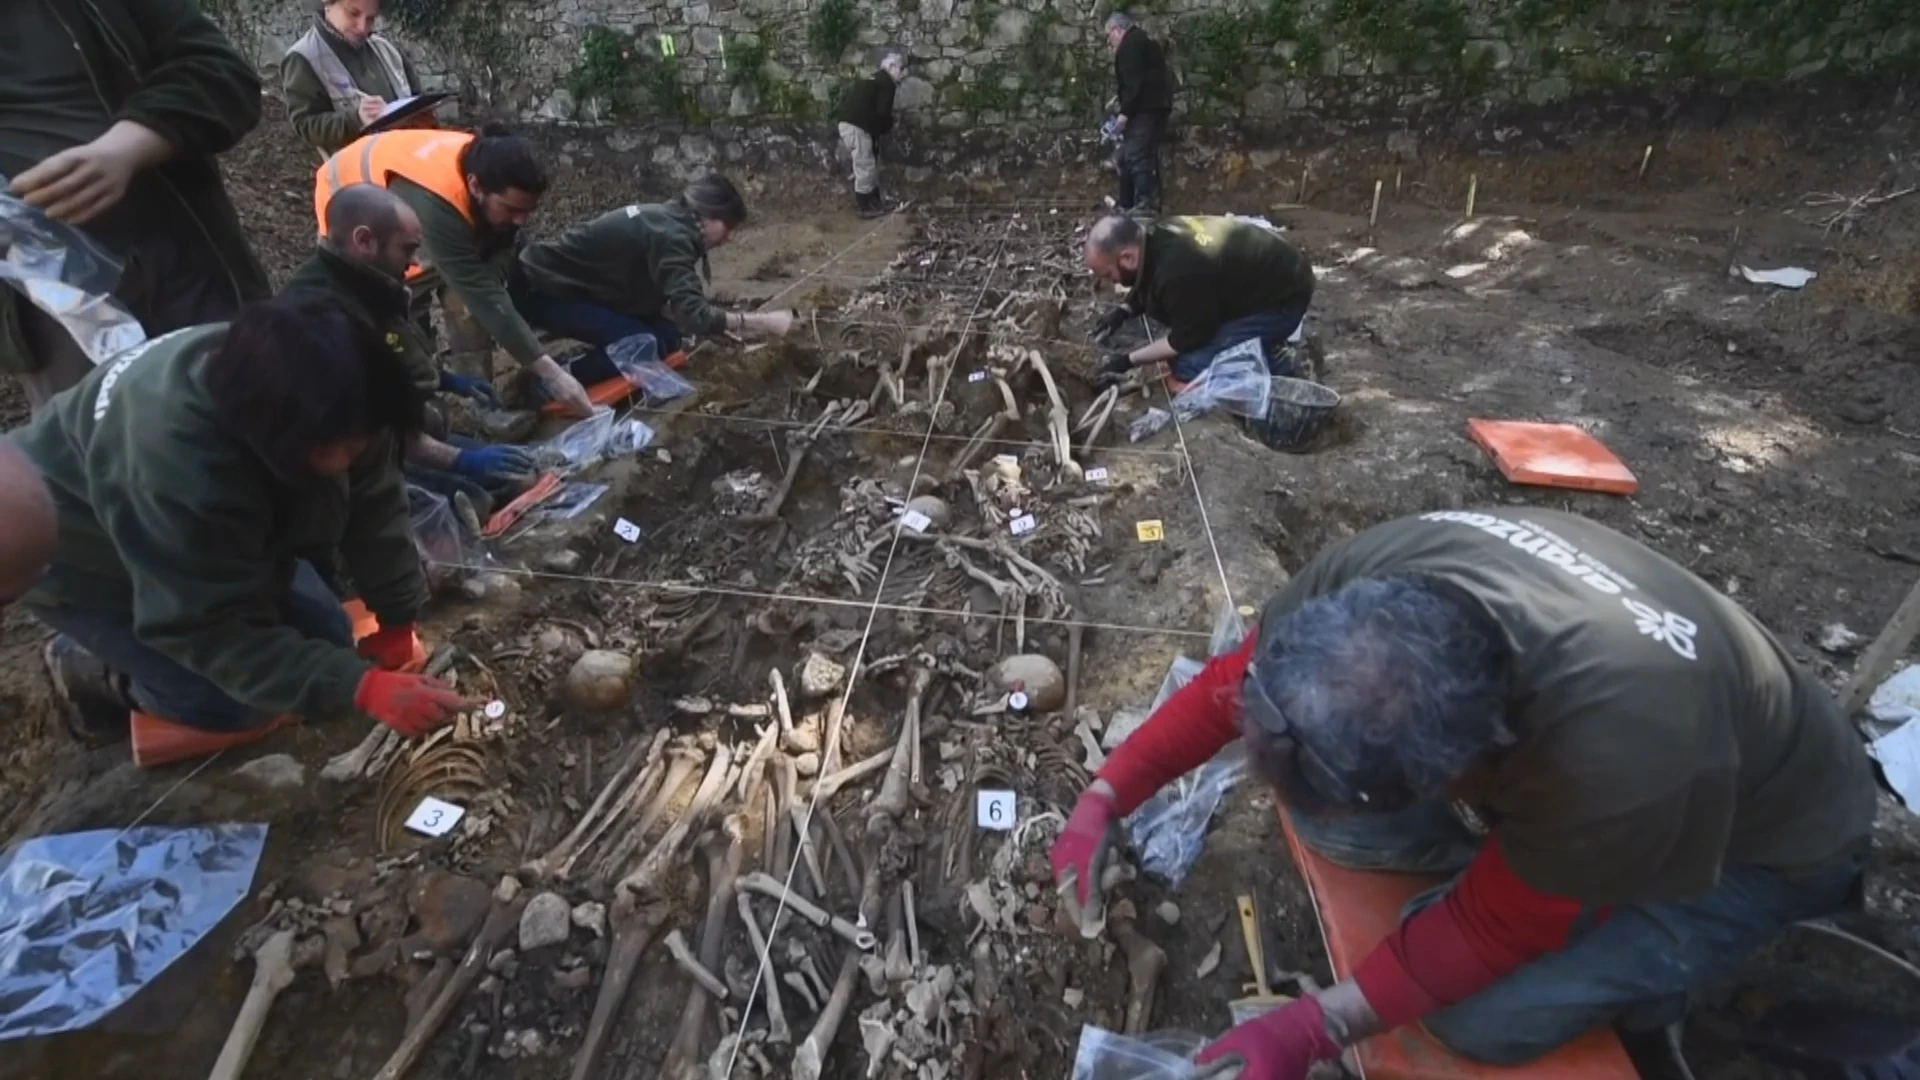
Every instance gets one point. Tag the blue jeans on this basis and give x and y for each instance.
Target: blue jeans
(1273, 328)
(590, 324)
(1639, 967)
(162, 687)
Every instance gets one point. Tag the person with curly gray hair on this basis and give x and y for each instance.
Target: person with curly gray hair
(1652, 787)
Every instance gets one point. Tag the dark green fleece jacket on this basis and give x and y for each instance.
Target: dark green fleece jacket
(167, 516)
(642, 261)
(376, 298)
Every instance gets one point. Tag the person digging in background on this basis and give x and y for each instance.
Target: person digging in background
(1142, 102)
(1664, 790)
(111, 113)
(1216, 282)
(339, 75)
(31, 529)
(202, 482)
(866, 114)
(637, 272)
(372, 239)
(473, 194)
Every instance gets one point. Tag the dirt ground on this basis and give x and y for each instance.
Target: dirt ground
(1773, 433)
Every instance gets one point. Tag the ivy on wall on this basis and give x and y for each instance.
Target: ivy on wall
(629, 71)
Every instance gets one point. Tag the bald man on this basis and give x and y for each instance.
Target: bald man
(372, 238)
(27, 541)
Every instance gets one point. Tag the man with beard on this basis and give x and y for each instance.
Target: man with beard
(1215, 282)
(473, 194)
(111, 113)
(208, 485)
(372, 240)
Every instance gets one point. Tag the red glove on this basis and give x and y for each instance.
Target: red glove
(409, 704)
(391, 647)
(1282, 1045)
(1082, 847)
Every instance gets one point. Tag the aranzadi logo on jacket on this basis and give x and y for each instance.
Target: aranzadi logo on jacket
(1675, 631)
(118, 366)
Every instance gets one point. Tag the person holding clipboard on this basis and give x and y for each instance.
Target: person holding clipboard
(341, 80)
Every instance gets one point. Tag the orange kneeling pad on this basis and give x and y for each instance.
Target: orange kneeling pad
(159, 742)
(617, 389)
(1357, 909)
(1552, 455)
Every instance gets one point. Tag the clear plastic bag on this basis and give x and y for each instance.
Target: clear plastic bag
(437, 533)
(629, 436)
(1157, 1055)
(1148, 424)
(583, 443)
(638, 358)
(1237, 381)
(63, 273)
(1169, 829)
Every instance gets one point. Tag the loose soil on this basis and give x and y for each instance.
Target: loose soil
(1773, 434)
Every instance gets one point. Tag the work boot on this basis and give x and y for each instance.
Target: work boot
(867, 204)
(97, 700)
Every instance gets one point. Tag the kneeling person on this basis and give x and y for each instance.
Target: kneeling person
(1663, 789)
(636, 271)
(372, 239)
(1215, 282)
(201, 480)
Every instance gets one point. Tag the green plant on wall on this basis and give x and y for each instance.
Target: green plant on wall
(981, 15)
(475, 30)
(833, 28)
(988, 92)
(1414, 35)
(628, 70)
(747, 66)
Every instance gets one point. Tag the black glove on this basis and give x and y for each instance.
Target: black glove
(1112, 369)
(1111, 321)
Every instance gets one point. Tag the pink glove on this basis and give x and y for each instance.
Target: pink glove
(1282, 1045)
(1082, 847)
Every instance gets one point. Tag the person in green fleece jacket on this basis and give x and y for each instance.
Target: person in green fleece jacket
(207, 485)
(111, 114)
(339, 75)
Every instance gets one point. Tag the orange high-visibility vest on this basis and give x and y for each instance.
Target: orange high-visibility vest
(424, 156)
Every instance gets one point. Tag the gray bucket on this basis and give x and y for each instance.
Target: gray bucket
(1296, 412)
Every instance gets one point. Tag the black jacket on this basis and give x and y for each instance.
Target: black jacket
(379, 300)
(869, 104)
(1140, 75)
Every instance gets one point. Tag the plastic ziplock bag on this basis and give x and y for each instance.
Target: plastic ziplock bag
(589, 440)
(638, 358)
(65, 274)
(87, 919)
(437, 533)
(1148, 424)
(1237, 381)
(571, 501)
(1157, 1055)
(1169, 829)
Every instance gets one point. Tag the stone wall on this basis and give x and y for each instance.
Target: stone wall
(1041, 63)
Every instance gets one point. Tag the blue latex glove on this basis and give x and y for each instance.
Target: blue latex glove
(496, 463)
(470, 386)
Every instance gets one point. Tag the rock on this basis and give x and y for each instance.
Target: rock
(820, 675)
(1168, 912)
(1073, 997)
(573, 980)
(807, 764)
(1549, 90)
(490, 586)
(1208, 963)
(599, 681)
(1404, 145)
(913, 94)
(448, 908)
(591, 917)
(275, 772)
(546, 921)
(1865, 411)
(562, 561)
(504, 963)
(1034, 675)
(559, 105)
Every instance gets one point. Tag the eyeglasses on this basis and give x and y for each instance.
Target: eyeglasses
(1304, 777)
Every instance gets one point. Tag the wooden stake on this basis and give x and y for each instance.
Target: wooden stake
(1373, 217)
(1877, 662)
(1397, 173)
(1646, 159)
(1304, 170)
(1473, 192)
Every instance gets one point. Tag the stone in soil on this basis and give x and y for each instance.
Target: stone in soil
(546, 921)
(275, 772)
(448, 908)
(599, 681)
(820, 676)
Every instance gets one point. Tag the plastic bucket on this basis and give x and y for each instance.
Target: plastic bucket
(1295, 414)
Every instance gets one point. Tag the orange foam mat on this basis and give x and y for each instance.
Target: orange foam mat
(158, 742)
(1552, 455)
(1357, 910)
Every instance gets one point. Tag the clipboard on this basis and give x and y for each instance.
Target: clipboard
(408, 108)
